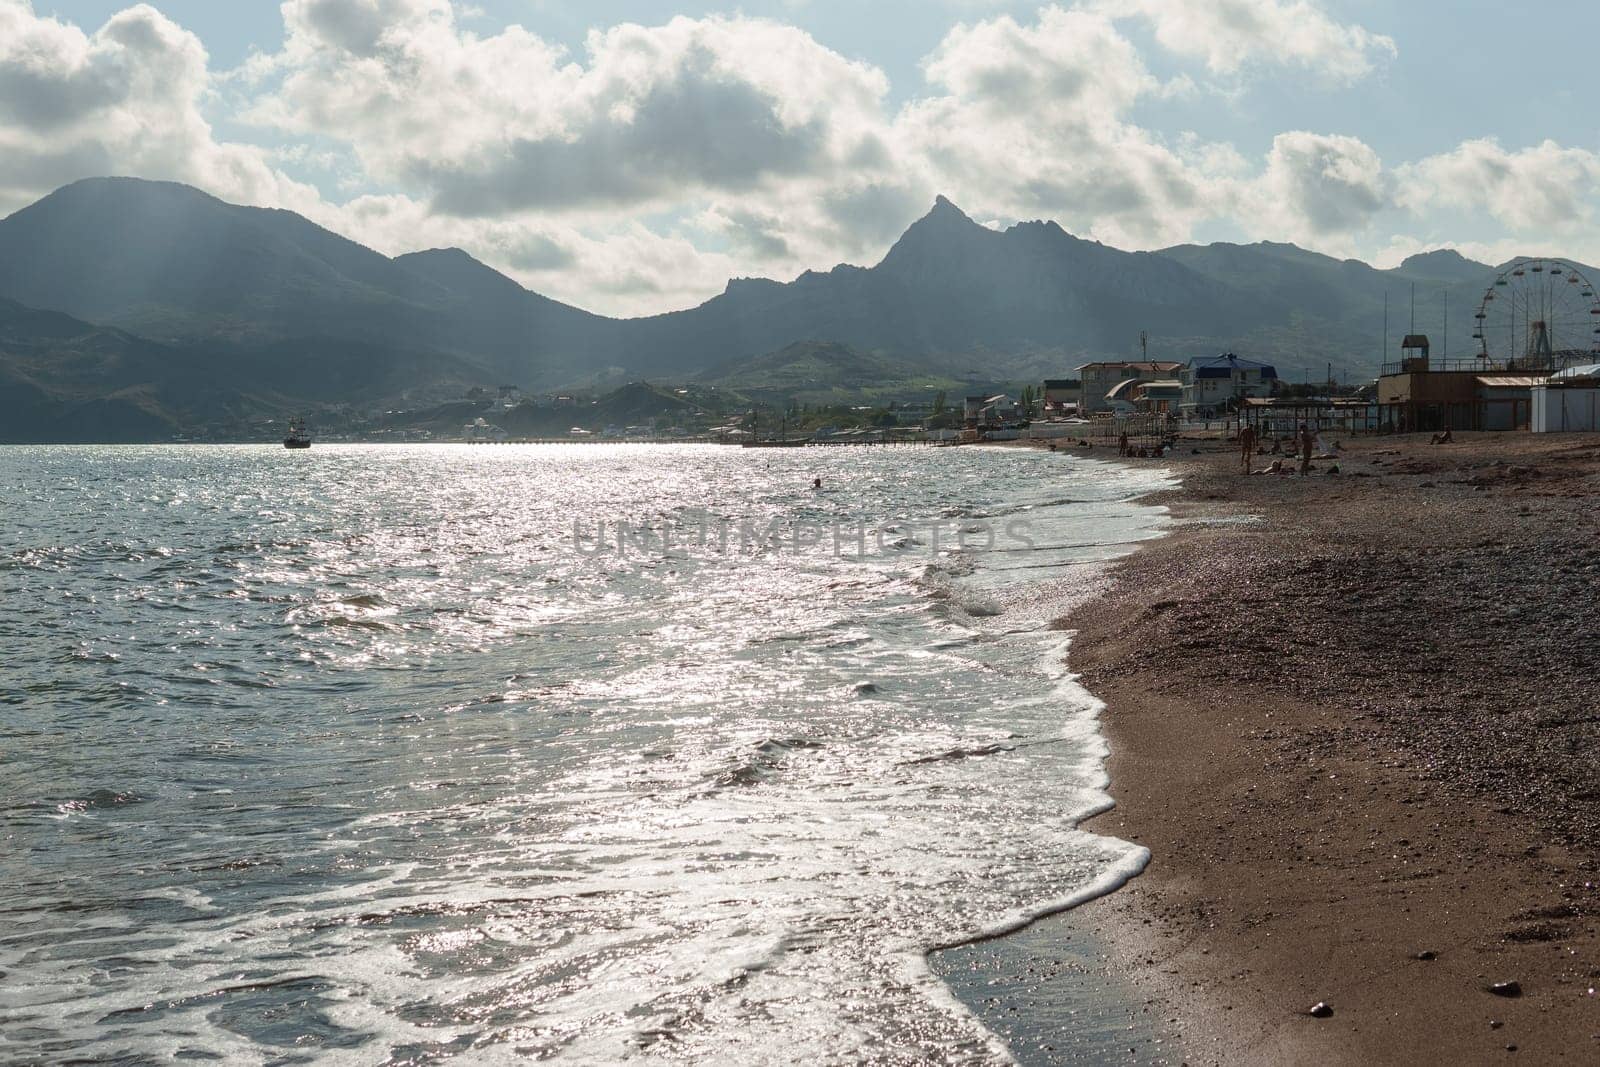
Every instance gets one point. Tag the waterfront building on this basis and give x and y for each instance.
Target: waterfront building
(481, 431)
(1569, 402)
(1099, 379)
(1061, 397)
(1211, 383)
(1420, 394)
(1159, 397)
(991, 412)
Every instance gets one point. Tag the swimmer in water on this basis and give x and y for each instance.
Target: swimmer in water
(816, 483)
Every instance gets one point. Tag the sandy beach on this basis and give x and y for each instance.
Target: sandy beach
(1354, 717)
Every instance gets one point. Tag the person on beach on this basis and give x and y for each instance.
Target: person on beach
(1443, 438)
(1122, 444)
(1247, 445)
(1307, 444)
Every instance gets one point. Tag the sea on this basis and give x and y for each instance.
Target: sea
(582, 753)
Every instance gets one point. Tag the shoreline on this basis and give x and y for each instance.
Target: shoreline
(1047, 991)
(1356, 732)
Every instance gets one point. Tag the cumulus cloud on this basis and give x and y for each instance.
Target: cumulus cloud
(1030, 120)
(126, 99)
(621, 268)
(1231, 34)
(1319, 189)
(1540, 187)
(508, 122)
(640, 170)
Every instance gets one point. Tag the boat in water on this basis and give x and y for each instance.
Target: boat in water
(299, 436)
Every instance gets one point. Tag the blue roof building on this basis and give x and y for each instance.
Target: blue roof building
(1210, 382)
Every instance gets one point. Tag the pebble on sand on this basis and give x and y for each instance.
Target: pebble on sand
(1321, 1010)
(1506, 989)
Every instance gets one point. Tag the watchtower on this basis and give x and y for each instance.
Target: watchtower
(1414, 354)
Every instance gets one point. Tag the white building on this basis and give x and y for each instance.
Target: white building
(1571, 408)
(1211, 382)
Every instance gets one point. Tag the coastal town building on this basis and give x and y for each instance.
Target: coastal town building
(1505, 401)
(1567, 402)
(1421, 395)
(1161, 396)
(1211, 384)
(1061, 397)
(480, 431)
(1099, 379)
(991, 412)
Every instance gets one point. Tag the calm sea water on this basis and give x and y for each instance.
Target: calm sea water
(371, 754)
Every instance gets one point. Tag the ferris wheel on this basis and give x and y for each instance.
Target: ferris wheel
(1540, 314)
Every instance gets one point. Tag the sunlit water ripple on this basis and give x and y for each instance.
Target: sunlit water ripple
(354, 754)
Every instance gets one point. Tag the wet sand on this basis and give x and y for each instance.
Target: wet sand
(1056, 995)
(1356, 718)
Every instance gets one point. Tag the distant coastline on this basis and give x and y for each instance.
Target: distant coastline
(226, 317)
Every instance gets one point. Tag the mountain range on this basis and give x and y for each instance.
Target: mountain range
(133, 309)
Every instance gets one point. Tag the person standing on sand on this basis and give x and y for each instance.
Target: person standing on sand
(1306, 441)
(1247, 445)
(1122, 444)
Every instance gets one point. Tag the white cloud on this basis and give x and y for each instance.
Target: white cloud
(770, 152)
(1229, 35)
(1071, 63)
(652, 116)
(126, 99)
(642, 170)
(1032, 122)
(1320, 190)
(625, 268)
(1542, 187)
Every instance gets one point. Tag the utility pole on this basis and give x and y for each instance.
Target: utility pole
(1144, 346)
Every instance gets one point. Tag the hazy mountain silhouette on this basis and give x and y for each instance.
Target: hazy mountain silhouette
(174, 264)
(294, 313)
(1444, 265)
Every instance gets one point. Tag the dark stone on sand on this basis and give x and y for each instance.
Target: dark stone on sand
(1506, 989)
(1427, 954)
(1321, 1010)
(1495, 1024)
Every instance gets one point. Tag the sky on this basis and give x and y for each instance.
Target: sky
(630, 157)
